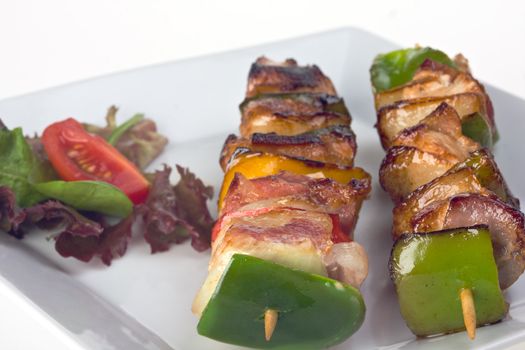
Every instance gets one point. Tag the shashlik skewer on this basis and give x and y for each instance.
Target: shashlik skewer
(284, 270)
(433, 120)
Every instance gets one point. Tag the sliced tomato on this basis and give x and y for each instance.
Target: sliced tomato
(78, 155)
(338, 235)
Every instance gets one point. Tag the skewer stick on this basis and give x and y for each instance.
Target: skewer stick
(469, 312)
(270, 321)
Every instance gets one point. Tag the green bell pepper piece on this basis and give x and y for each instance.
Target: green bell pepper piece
(329, 103)
(97, 196)
(477, 128)
(398, 67)
(430, 270)
(314, 311)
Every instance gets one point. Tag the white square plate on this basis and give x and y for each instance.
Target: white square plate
(143, 301)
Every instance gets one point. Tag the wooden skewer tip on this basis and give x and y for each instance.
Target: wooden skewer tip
(270, 321)
(469, 312)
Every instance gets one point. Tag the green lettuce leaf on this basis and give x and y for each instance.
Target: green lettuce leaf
(20, 168)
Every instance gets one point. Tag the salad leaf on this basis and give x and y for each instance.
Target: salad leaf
(114, 240)
(117, 133)
(53, 214)
(142, 143)
(161, 224)
(168, 220)
(19, 167)
(192, 196)
(171, 215)
(97, 196)
(79, 236)
(48, 172)
(137, 138)
(111, 243)
(11, 217)
(82, 248)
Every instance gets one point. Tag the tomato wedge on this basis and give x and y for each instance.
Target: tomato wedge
(78, 155)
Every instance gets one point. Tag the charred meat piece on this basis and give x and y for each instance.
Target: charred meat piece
(477, 174)
(430, 68)
(433, 80)
(393, 119)
(334, 145)
(423, 152)
(439, 133)
(290, 124)
(460, 181)
(406, 168)
(267, 77)
(295, 103)
(291, 114)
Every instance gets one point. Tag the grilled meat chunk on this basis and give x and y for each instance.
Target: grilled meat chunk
(295, 103)
(425, 151)
(291, 114)
(432, 80)
(334, 145)
(450, 184)
(267, 77)
(393, 119)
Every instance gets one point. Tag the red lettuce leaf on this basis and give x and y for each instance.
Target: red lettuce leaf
(172, 214)
(191, 195)
(78, 236)
(81, 237)
(11, 217)
(78, 247)
(112, 242)
(52, 214)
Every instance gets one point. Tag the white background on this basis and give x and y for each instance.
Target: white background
(52, 42)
